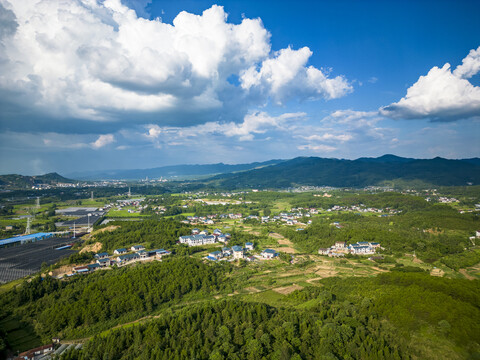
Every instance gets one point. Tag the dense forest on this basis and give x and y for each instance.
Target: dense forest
(87, 304)
(152, 234)
(394, 316)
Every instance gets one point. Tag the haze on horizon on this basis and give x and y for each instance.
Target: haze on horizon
(93, 85)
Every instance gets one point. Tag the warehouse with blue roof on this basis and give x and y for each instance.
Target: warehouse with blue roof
(23, 239)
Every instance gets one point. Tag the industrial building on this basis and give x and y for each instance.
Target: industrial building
(23, 239)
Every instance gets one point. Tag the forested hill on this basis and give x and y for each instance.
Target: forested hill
(21, 181)
(316, 171)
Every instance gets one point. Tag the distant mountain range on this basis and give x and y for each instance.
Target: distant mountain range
(169, 172)
(313, 171)
(316, 171)
(21, 181)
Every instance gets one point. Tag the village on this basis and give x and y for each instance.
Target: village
(138, 253)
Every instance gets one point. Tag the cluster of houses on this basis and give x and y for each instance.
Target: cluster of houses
(240, 252)
(363, 209)
(203, 220)
(203, 237)
(123, 256)
(340, 248)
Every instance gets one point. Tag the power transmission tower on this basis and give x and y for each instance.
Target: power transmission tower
(29, 221)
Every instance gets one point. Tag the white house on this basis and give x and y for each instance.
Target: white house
(120, 251)
(323, 251)
(103, 255)
(237, 252)
(137, 247)
(197, 240)
(249, 246)
(269, 254)
(104, 262)
(160, 253)
(227, 251)
(122, 259)
(361, 249)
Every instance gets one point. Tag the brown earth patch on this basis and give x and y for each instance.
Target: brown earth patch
(65, 269)
(378, 269)
(285, 290)
(92, 247)
(252, 289)
(108, 228)
(283, 241)
(434, 231)
(417, 260)
(466, 274)
(276, 236)
(326, 270)
(287, 250)
(437, 272)
(311, 281)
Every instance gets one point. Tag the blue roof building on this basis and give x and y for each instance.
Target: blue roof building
(26, 238)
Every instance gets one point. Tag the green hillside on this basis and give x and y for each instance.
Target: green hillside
(353, 173)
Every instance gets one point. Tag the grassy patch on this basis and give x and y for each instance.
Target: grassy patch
(20, 336)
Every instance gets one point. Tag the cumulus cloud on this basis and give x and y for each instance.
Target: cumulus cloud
(97, 60)
(441, 95)
(470, 65)
(286, 75)
(103, 140)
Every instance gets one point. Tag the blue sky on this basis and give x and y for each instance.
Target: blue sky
(87, 85)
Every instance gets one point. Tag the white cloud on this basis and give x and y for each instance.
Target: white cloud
(154, 131)
(286, 75)
(441, 95)
(103, 140)
(329, 137)
(253, 123)
(98, 60)
(470, 65)
(317, 148)
(258, 123)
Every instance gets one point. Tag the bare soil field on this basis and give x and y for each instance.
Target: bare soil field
(93, 247)
(287, 289)
(288, 250)
(437, 272)
(466, 274)
(283, 241)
